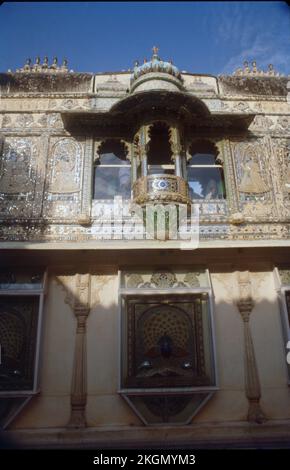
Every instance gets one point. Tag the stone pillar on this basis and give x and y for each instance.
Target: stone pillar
(134, 164)
(81, 308)
(245, 305)
(176, 150)
(178, 169)
(144, 139)
(87, 183)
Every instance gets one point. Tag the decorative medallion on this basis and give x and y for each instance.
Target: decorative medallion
(163, 279)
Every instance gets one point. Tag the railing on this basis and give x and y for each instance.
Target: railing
(160, 188)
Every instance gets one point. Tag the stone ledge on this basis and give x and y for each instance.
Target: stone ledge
(272, 434)
(140, 244)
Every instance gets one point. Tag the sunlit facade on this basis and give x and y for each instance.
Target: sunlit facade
(111, 337)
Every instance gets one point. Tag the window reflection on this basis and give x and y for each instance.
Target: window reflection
(110, 182)
(206, 183)
(112, 176)
(205, 173)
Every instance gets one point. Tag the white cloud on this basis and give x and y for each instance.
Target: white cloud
(254, 38)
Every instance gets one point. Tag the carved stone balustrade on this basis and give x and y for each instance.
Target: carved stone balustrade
(161, 188)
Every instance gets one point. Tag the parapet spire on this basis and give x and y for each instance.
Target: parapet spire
(37, 67)
(255, 71)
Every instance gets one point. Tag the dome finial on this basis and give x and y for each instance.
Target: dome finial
(155, 50)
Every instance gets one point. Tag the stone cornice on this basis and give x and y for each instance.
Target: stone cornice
(117, 93)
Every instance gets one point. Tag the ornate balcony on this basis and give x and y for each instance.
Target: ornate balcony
(161, 188)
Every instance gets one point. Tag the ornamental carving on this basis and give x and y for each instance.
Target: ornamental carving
(17, 171)
(6, 121)
(284, 122)
(164, 279)
(65, 174)
(24, 120)
(54, 120)
(134, 280)
(261, 123)
(282, 153)
(251, 177)
(284, 276)
(163, 188)
(192, 280)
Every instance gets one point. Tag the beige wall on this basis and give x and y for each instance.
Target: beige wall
(51, 408)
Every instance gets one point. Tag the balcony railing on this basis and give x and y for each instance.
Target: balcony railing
(161, 188)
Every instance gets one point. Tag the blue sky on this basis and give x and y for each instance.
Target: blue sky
(200, 37)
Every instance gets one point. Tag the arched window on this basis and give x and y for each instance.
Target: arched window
(205, 172)
(112, 176)
(159, 151)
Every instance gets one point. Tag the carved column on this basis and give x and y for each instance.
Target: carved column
(136, 158)
(134, 162)
(87, 183)
(144, 139)
(37, 209)
(245, 305)
(79, 379)
(229, 172)
(78, 289)
(176, 149)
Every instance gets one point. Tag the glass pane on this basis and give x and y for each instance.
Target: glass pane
(158, 170)
(112, 159)
(206, 183)
(110, 182)
(202, 159)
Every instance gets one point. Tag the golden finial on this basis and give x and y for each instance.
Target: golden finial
(155, 50)
(246, 67)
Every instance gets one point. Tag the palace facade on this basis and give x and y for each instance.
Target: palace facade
(115, 334)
